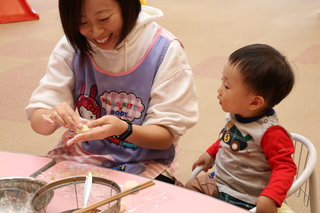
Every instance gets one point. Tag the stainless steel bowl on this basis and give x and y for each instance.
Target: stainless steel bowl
(17, 192)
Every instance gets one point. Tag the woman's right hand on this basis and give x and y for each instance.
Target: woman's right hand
(63, 115)
(46, 121)
(206, 160)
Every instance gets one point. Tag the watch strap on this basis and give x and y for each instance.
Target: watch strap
(126, 133)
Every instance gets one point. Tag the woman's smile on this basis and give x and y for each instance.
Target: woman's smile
(104, 41)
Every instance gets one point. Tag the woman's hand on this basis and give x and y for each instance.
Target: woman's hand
(101, 128)
(46, 121)
(63, 115)
(150, 136)
(206, 160)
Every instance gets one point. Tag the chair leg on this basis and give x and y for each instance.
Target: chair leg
(313, 194)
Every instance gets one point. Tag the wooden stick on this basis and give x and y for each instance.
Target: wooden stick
(116, 197)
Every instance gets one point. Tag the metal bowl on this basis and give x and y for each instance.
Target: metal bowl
(17, 192)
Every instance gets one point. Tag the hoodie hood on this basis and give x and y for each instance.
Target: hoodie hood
(147, 15)
(134, 45)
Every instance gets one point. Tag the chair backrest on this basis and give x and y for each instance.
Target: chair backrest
(305, 157)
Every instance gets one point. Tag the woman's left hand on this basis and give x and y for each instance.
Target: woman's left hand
(103, 127)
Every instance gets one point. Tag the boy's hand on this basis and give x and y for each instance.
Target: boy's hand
(266, 205)
(204, 159)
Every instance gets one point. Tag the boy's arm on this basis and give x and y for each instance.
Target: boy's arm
(278, 148)
(213, 149)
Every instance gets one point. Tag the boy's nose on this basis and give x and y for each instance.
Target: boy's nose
(219, 90)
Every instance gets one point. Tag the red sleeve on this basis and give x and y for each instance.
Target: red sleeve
(278, 148)
(213, 149)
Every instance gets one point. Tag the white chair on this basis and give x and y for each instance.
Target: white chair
(305, 157)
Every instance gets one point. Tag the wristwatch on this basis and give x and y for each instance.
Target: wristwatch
(126, 133)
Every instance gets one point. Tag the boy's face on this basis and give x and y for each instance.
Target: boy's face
(233, 95)
(101, 22)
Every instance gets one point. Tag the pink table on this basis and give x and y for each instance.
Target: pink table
(159, 198)
(18, 164)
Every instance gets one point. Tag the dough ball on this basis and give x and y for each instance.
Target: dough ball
(130, 185)
(123, 206)
(83, 129)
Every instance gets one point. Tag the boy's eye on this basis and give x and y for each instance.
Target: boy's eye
(223, 82)
(83, 23)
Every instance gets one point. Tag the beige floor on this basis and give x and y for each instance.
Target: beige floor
(210, 31)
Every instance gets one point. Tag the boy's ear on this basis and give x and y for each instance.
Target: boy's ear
(257, 102)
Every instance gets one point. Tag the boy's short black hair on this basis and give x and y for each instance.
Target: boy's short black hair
(265, 71)
(70, 14)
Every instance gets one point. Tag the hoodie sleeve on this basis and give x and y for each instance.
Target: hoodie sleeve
(174, 102)
(57, 84)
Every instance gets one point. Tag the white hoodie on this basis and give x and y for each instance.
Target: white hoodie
(173, 80)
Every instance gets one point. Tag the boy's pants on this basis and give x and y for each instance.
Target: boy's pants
(206, 184)
(203, 184)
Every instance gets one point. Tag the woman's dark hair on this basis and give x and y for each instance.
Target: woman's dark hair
(265, 71)
(70, 15)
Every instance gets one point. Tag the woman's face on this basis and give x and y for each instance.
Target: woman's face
(101, 22)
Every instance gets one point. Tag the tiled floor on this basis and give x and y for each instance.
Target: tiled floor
(210, 31)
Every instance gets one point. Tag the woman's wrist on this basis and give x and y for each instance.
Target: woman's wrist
(127, 132)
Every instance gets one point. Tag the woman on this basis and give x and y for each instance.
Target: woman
(116, 62)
